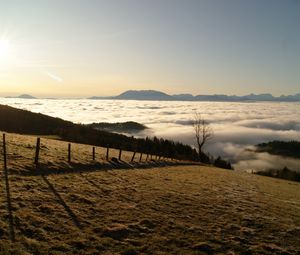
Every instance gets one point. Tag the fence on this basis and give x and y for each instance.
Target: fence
(35, 150)
(44, 149)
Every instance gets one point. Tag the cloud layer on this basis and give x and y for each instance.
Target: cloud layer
(237, 126)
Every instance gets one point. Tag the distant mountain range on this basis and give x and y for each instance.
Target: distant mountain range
(161, 96)
(23, 96)
(155, 95)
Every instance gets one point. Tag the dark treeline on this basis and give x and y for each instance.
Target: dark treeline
(127, 126)
(26, 122)
(221, 163)
(285, 173)
(290, 149)
(154, 146)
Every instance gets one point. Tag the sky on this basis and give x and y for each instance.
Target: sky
(79, 48)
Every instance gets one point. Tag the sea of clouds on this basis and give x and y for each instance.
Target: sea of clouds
(238, 126)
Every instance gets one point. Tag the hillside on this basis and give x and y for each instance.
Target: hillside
(88, 207)
(26, 122)
(121, 127)
(283, 148)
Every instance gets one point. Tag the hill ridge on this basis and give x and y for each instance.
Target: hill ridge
(158, 95)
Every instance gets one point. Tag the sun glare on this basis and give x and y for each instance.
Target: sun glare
(5, 48)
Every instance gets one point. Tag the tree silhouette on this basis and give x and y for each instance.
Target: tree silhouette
(203, 133)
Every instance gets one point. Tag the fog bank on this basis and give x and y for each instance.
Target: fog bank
(237, 126)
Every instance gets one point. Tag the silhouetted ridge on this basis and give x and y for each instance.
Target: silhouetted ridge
(290, 149)
(144, 95)
(158, 95)
(23, 96)
(128, 126)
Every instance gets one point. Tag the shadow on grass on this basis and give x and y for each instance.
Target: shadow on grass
(113, 163)
(62, 202)
(96, 185)
(9, 207)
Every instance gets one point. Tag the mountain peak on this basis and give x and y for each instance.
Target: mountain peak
(26, 96)
(144, 95)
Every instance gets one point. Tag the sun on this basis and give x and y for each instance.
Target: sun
(5, 48)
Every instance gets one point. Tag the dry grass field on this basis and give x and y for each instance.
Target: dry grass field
(140, 208)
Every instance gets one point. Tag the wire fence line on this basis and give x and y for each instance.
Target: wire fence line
(39, 150)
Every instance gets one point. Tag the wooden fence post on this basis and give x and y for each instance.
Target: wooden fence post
(37, 151)
(147, 157)
(94, 152)
(141, 157)
(133, 156)
(69, 153)
(120, 154)
(4, 153)
(107, 152)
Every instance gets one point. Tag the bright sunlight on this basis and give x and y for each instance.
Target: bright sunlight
(5, 48)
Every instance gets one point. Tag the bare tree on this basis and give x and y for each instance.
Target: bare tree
(203, 132)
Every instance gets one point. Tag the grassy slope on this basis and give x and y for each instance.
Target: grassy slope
(177, 210)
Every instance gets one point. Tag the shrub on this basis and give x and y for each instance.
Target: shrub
(219, 162)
